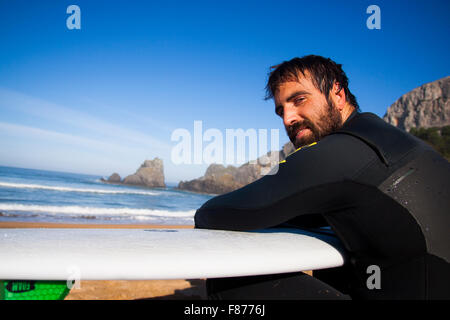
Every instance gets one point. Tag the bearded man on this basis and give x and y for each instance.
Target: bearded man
(384, 193)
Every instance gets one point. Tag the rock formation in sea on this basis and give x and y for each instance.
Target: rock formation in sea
(150, 174)
(114, 178)
(424, 107)
(219, 179)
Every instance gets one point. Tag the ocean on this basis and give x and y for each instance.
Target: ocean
(30, 195)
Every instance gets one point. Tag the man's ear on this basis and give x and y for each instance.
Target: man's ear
(338, 96)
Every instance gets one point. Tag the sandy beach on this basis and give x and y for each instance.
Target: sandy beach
(88, 226)
(125, 290)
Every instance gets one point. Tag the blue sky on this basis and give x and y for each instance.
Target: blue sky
(105, 98)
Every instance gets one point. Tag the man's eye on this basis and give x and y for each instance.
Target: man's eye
(299, 100)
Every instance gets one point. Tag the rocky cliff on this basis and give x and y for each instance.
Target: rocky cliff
(150, 174)
(424, 107)
(219, 179)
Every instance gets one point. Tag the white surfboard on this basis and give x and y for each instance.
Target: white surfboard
(147, 254)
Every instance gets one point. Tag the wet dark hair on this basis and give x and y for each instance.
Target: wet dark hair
(324, 73)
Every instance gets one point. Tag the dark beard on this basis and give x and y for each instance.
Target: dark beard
(329, 121)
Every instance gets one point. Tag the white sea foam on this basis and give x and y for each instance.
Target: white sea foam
(96, 211)
(68, 189)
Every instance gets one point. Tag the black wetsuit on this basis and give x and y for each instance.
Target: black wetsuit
(385, 193)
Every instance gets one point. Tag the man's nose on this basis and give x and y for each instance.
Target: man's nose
(290, 116)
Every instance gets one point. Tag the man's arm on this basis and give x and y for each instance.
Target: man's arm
(305, 184)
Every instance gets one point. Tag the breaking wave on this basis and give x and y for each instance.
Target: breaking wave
(96, 211)
(69, 189)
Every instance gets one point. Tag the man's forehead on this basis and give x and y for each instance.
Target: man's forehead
(286, 89)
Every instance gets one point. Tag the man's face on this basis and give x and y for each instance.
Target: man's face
(307, 114)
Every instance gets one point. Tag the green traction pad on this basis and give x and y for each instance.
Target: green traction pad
(33, 290)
